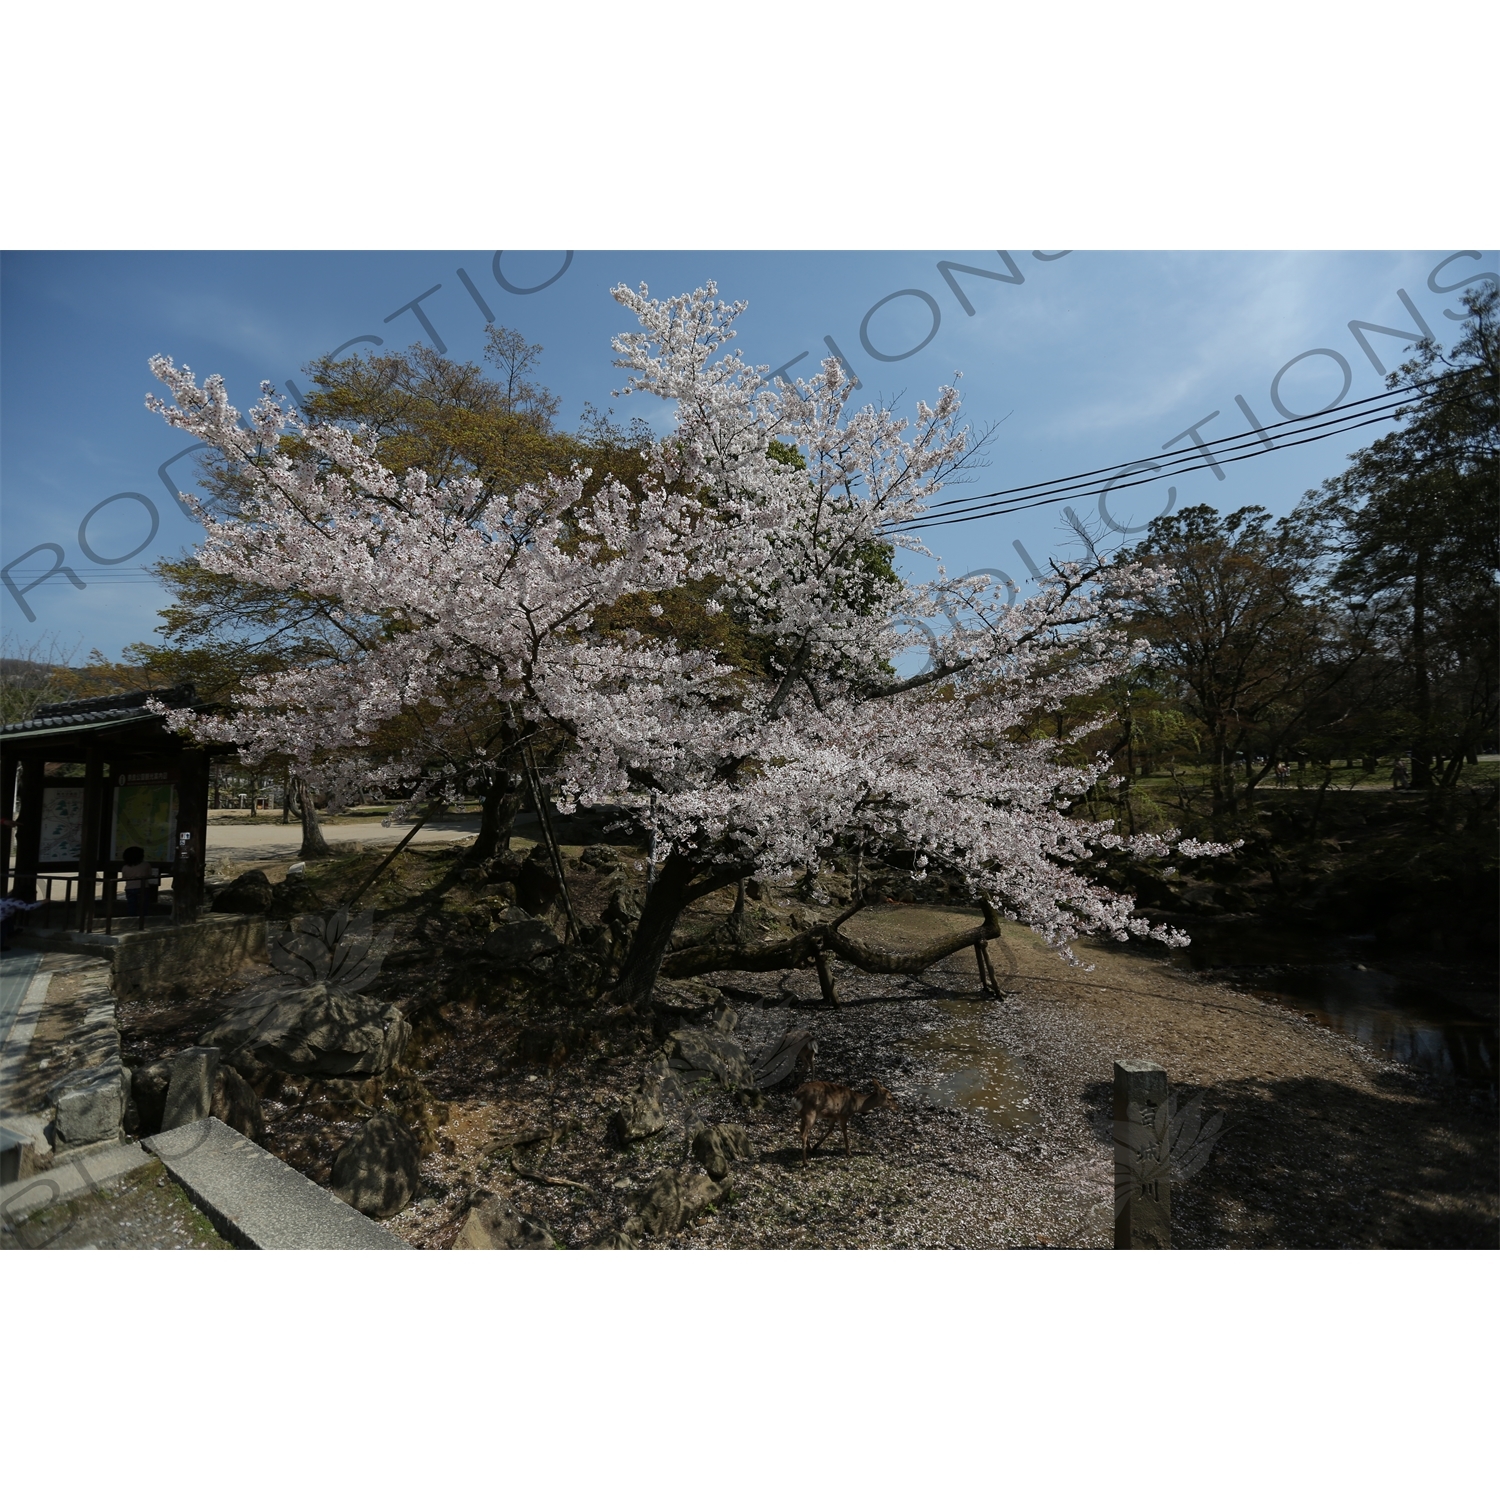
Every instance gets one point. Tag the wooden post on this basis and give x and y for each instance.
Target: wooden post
(8, 767)
(29, 827)
(1143, 1189)
(88, 833)
(192, 821)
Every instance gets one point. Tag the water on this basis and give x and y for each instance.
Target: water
(976, 1075)
(1441, 1020)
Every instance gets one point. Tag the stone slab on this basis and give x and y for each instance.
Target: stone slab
(90, 1103)
(190, 1095)
(255, 1200)
(1143, 1184)
(81, 1173)
(18, 1036)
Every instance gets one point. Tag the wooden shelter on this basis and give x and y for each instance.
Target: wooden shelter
(97, 776)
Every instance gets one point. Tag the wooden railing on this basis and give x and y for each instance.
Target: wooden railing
(59, 893)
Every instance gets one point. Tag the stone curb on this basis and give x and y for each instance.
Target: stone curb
(255, 1200)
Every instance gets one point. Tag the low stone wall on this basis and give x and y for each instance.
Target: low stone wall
(167, 963)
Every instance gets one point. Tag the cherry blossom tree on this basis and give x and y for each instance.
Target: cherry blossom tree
(784, 500)
(763, 775)
(455, 604)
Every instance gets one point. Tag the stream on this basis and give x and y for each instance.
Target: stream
(1436, 1017)
(1440, 1018)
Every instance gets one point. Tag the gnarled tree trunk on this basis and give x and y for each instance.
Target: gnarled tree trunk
(502, 801)
(679, 882)
(314, 845)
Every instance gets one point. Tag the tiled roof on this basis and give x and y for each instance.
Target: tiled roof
(118, 708)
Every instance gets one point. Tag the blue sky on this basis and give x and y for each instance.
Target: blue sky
(1091, 359)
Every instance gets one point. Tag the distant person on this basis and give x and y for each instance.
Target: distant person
(139, 878)
(1283, 773)
(1400, 775)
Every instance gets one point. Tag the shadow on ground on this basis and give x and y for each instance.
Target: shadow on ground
(1308, 1163)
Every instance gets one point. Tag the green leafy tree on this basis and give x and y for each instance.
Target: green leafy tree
(1252, 647)
(1415, 527)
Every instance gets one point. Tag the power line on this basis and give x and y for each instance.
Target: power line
(1384, 399)
(96, 575)
(1320, 425)
(1011, 508)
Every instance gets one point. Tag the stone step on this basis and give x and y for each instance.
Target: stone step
(255, 1200)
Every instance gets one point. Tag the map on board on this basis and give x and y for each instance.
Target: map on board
(145, 815)
(62, 824)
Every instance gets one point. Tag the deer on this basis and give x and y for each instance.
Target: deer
(838, 1104)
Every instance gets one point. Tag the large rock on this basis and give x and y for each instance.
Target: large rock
(90, 1103)
(537, 885)
(639, 1116)
(492, 1223)
(697, 1055)
(378, 1171)
(412, 1102)
(517, 942)
(614, 1239)
(676, 1198)
(314, 1031)
(719, 1145)
(336, 948)
(789, 1061)
(684, 1002)
(663, 1080)
(190, 1095)
(249, 894)
(237, 1104)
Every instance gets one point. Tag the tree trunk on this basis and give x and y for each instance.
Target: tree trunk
(1221, 780)
(670, 895)
(502, 801)
(314, 845)
(795, 951)
(1421, 755)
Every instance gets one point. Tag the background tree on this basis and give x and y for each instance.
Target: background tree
(422, 411)
(1243, 634)
(1416, 522)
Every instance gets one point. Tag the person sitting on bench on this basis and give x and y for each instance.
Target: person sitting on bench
(140, 880)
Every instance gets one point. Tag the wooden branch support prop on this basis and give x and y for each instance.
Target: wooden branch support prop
(549, 837)
(987, 980)
(385, 863)
(825, 977)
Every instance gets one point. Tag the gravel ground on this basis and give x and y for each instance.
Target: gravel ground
(1002, 1138)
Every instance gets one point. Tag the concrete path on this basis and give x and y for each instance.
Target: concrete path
(273, 841)
(17, 970)
(258, 1202)
(18, 1034)
(81, 1173)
